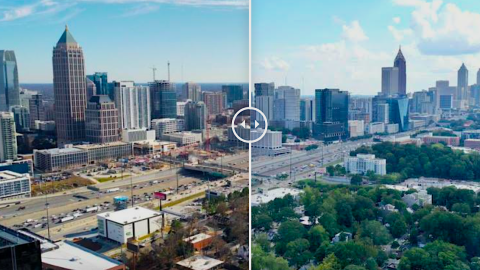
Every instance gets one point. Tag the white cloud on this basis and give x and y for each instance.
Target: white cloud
(443, 29)
(354, 32)
(197, 3)
(274, 63)
(396, 20)
(17, 13)
(38, 9)
(399, 34)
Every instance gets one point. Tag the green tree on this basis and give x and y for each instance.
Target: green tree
(298, 253)
(375, 231)
(330, 263)
(316, 236)
(356, 179)
(262, 260)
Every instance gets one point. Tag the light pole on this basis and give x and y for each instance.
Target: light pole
(46, 208)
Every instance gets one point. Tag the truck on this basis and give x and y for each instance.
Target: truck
(65, 219)
(91, 209)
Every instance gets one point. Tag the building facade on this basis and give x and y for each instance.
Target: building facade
(101, 125)
(37, 109)
(331, 115)
(163, 100)
(9, 87)
(8, 138)
(133, 104)
(195, 116)
(363, 163)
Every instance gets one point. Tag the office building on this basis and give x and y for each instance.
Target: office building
(423, 102)
(331, 115)
(446, 102)
(390, 81)
(135, 135)
(8, 139)
(232, 93)
(184, 138)
(214, 102)
(356, 128)
(20, 166)
(14, 185)
(450, 141)
(195, 116)
(382, 113)
(21, 116)
(264, 89)
(91, 89)
(192, 91)
(181, 108)
(19, 251)
(133, 222)
(401, 64)
(57, 159)
(462, 83)
(269, 145)
(307, 109)
(290, 99)
(69, 86)
(9, 88)
(101, 120)
(106, 151)
(167, 126)
(392, 128)
(398, 110)
(100, 80)
(133, 104)
(472, 143)
(375, 128)
(37, 109)
(264, 100)
(363, 163)
(163, 99)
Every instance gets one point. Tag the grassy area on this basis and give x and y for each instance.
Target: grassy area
(57, 186)
(332, 163)
(110, 178)
(188, 198)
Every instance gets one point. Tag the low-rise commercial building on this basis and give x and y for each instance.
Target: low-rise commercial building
(184, 138)
(200, 262)
(199, 241)
(106, 151)
(133, 222)
(472, 143)
(356, 128)
(376, 127)
(166, 126)
(452, 141)
(153, 147)
(363, 163)
(56, 159)
(269, 145)
(135, 135)
(392, 128)
(13, 185)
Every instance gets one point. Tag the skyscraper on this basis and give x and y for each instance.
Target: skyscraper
(163, 99)
(264, 99)
(100, 79)
(133, 104)
(478, 77)
(331, 114)
(101, 120)
(401, 64)
(462, 83)
(192, 91)
(195, 116)
(233, 93)
(9, 89)
(307, 109)
(291, 96)
(21, 117)
(390, 81)
(8, 140)
(69, 87)
(37, 110)
(214, 102)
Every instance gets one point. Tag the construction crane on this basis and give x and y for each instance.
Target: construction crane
(154, 69)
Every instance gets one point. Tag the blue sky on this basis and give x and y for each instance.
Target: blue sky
(313, 44)
(209, 38)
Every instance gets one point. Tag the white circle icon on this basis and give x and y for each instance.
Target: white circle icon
(256, 124)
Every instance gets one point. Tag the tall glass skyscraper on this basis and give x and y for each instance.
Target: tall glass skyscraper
(232, 93)
(331, 114)
(100, 79)
(69, 85)
(163, 99)
(9, 89)
(401, 64)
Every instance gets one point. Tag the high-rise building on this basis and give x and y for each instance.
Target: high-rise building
(195, 116)
(21, 117)
(390, 78)
(101, 120)
(91, 89)
(163, 99)
(133, 104)
(401, 64)
(331, 114)
(307, 109)
(232, 93)
(398, 110)
(192, 91)
(423, 102)
(9, 89)
(69, 87)
(37, 109)
(291, 98)
(214, 102)
(8, 139)
(100, 79)
(478, 77)
(382, 113)
(264, 99)
(264, 89)
(462, 83)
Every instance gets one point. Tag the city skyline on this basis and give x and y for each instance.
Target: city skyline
(336, 46)
(114, 33)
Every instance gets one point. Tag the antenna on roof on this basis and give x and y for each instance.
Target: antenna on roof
(168, 67)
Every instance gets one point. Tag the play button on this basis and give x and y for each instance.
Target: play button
(242, 129)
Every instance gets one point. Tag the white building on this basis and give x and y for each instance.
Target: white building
(8, 138)
(133, 104)
(356, 128)
(243, 133)
(269, 195)
(181, 108)
(131, 222)
(264, 104)
(135, 135)
(392, 128)
(291, 98)
(167, 126)
(184, 138)
(200, 262)
(269, 145)
(376, 127)
(363, 163)
(14, 185)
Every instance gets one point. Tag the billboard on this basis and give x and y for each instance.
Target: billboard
(160, 195)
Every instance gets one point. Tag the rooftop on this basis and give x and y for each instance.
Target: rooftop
(199, 262)
(197, 238)
(93, 146)
(75, 257)
(272, 194)
(9, 175)
(59, 151)
(66, 38)
(129, 215)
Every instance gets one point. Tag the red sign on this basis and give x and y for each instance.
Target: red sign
(160, 195)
